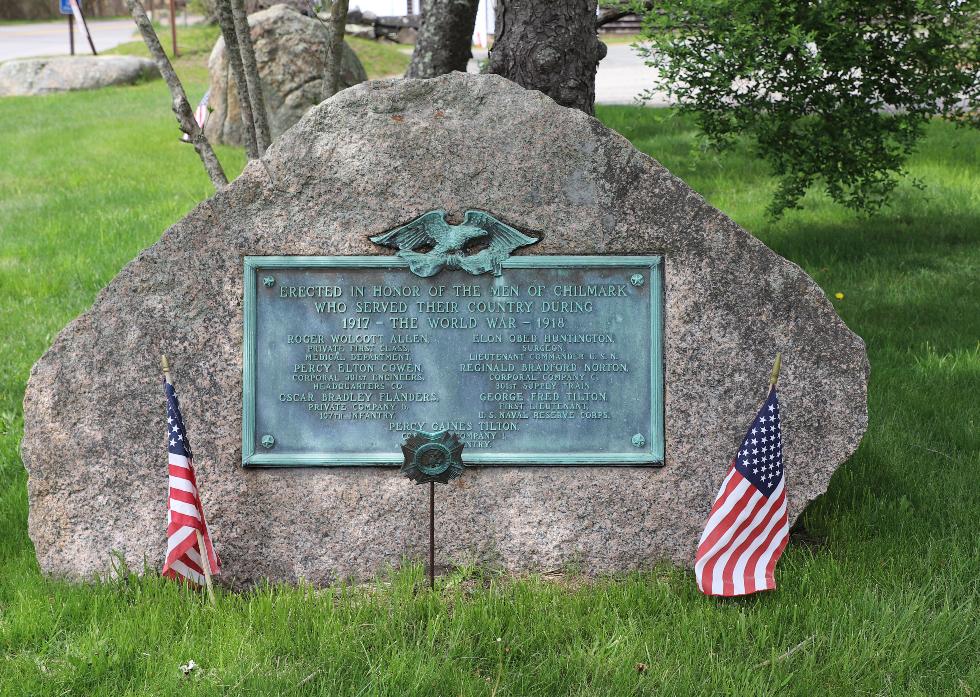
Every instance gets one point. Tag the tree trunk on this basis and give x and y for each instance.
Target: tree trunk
(262, 136)
(335, 48)
(551, 47)
(226, 21)
(445, 38)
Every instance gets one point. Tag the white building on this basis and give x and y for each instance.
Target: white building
(389, 8)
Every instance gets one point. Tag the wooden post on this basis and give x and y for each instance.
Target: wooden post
(205, 559)
(173, 27)
(206, 565)
(71, 34)
(774, 378)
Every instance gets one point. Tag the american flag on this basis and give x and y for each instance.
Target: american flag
(185, 514)
(200, 114)
(748, 528)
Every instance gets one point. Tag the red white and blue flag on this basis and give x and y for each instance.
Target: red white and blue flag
(185, 514)
(747, 528)
(200, 114)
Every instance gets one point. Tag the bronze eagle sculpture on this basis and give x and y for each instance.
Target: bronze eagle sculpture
(448, 243)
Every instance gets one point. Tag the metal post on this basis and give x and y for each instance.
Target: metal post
(71, 34)
(88, 34)
(173, 27)
(432, 535)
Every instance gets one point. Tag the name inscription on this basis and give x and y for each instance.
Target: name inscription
(556, 361)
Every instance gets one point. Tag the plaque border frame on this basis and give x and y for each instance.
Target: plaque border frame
(652, 454)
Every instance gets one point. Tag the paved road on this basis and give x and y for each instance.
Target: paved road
(622, 76)
(51, 38)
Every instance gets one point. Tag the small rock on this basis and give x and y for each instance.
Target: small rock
(34, 76)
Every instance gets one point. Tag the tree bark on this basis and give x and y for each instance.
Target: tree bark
(445, 38)
(182, 107)
(259, 117)
(227, 23)
(335, 48)
(551, 47)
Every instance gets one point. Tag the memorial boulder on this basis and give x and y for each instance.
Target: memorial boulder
(456, 253)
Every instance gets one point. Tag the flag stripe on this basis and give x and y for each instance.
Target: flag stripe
(184, 496)
(759, 561)
(182, 569)
(740, 559)
(726, 511)
(759, 505)
(182, 484)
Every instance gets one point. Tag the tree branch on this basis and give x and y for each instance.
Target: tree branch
(259, 117)
(182, 107)
(226, 21)
(616, 11)
(335, 48)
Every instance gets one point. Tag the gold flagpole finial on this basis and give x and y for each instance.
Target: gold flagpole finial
(165, 364)
(774, 378)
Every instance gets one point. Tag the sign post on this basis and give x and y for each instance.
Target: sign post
(173, 27)
(73, 8)
(65, 8)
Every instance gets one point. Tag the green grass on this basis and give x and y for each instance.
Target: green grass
(879, 595)
(194, 44)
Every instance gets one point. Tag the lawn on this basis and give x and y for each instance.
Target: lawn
(878, 592)
(194, 44)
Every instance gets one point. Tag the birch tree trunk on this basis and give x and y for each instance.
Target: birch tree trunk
(257, 99)
(227, 23)
(445, 38)
(551, 47)
(335, 48)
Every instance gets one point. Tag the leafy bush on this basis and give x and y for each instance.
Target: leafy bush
(829, 91)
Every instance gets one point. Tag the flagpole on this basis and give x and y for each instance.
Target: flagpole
(206, 565)
(774, 377)
(205, 558)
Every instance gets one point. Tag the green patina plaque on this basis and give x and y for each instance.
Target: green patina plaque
(558, 360)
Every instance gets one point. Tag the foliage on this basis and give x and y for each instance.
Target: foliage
(836, 92)
(879, 594)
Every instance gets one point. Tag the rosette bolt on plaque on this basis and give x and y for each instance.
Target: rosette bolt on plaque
(638, 440)
(268, 441)
(269, 281)
(637, 279)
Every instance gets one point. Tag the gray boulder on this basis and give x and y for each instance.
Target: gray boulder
(364, 162)
(289, 50)
(45, 75)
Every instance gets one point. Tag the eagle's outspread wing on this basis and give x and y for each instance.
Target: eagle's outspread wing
(429, 229)
(503, 238)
